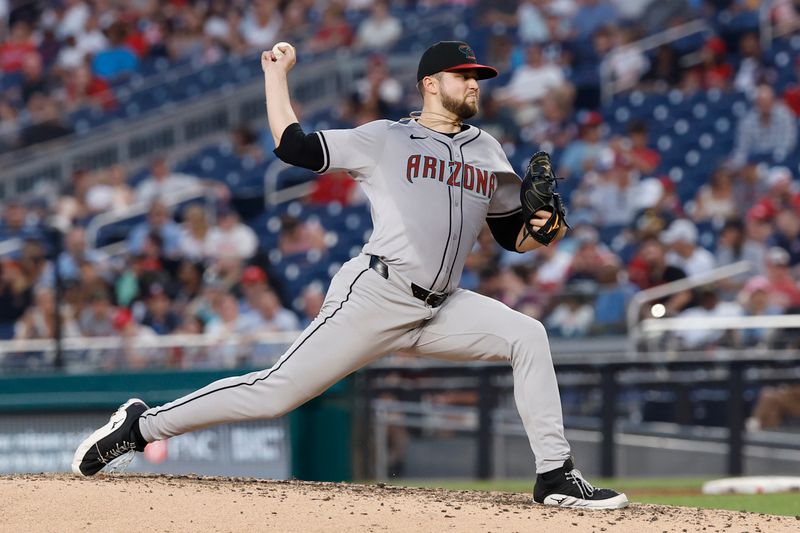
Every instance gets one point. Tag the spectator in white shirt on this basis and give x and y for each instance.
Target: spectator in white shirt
(312, 299)
(769, 128)
(529, 84)
(216, 24)
(260, 27)
(380, 30)
(70, 56)
(73, 20)
(626, 63)
(681, 236)
(225, 331)
(194, 233)
(231, 239)
(532, 25)
(378, 88)
(92, 39)
(574, 316)
(269, 315)
(162, 183)
(709, 306)
(110, 191)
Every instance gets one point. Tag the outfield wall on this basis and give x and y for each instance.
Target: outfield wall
(43, 418)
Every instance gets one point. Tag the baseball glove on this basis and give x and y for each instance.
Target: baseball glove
(538, 193)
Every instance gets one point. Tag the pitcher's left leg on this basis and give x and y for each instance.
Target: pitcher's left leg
(470, 326)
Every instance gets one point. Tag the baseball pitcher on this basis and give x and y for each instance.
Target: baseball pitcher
(431, 180)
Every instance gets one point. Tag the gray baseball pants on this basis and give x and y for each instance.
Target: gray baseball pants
(365, 317)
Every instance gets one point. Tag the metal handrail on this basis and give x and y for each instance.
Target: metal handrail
(161, 341)
(674, 287)
(764, 23)
(110, 217)
(271, 181)
(10, 246)
(182, 130)
(608, 86)
(653, 325)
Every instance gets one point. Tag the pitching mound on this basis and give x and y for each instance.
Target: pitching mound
(47, 502)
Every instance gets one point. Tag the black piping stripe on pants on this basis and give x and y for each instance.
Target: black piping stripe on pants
(349, 292)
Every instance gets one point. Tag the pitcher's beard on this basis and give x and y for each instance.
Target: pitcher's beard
(462, 109)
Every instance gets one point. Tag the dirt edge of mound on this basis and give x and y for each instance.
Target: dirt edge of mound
(180, 503)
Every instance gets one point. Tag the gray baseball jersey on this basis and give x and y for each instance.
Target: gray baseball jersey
(429, 195)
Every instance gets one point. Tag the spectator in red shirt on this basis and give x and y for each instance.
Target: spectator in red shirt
(135, 40)
(783, 290)
(714, 71)
(791, 96)
(634, 152)
(649, 268)
(333, 187)
(333, 33)
(83, 88)
(18, 45)
(781, 192)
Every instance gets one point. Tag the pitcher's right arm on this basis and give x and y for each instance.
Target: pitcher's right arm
(292, 145)
(276, 89)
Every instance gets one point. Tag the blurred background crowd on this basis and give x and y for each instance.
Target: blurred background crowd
(692, 164)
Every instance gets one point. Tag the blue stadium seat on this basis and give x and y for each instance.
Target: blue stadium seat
(6, 330)
(9, 80)
(659, 406)
(294, 176)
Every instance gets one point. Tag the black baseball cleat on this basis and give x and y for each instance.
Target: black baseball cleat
(565, 487)
(111, 441)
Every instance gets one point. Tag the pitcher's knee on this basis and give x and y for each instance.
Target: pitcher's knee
(529, 338)
(530, 330)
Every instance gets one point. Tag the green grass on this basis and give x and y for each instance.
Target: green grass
(786, 503)
(664, 491)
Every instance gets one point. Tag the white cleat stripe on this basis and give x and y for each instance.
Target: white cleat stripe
(562, 500)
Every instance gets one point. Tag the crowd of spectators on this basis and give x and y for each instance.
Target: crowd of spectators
(193, 270)
(200, 270)
(58, 57)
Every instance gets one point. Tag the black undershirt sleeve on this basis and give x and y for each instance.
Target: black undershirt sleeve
(506, 230)
(299, 149)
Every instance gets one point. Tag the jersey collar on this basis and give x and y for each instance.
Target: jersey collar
(466, 128)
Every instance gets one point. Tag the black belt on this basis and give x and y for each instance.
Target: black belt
(434, 299)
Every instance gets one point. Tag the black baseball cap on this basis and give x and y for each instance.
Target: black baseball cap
(450, 56)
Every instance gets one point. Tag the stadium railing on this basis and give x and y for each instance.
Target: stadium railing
(660, 325)
(608, 379)
(607, 373)
(274, 196)
(641, 298)
(109, 218)
(85, 354)
(183, 130)
(609, 87)
(10, 246)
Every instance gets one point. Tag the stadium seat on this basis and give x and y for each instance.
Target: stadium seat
(659, 406)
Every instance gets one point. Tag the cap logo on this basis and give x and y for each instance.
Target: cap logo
(467, 51)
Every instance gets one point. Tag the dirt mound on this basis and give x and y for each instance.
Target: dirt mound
(47, 502)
